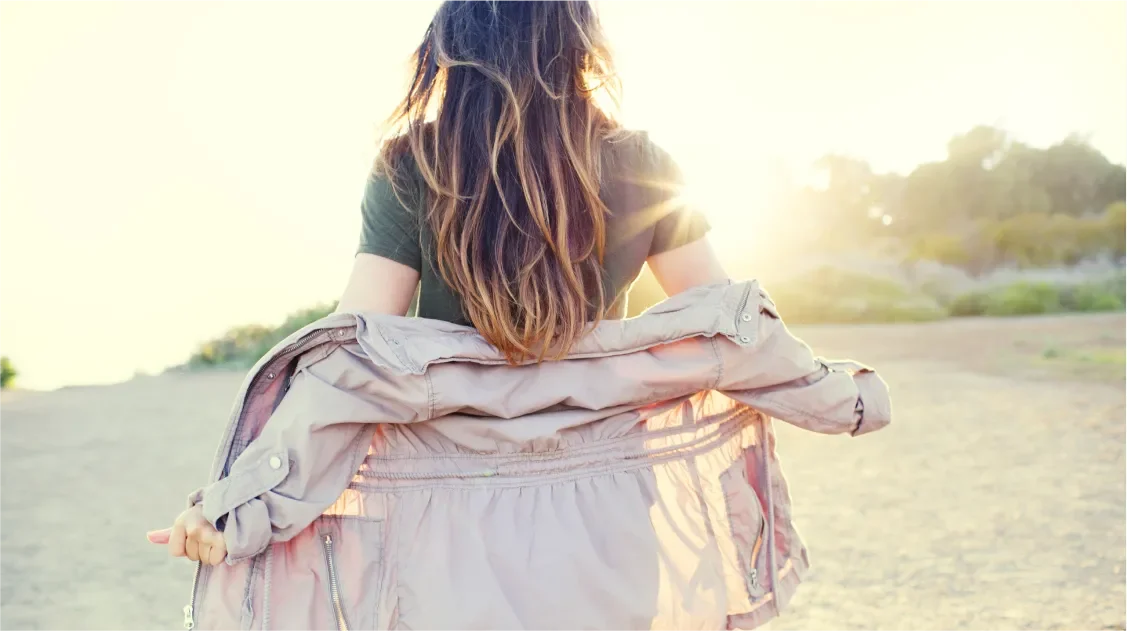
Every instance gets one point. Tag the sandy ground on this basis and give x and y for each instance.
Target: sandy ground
(996, 500)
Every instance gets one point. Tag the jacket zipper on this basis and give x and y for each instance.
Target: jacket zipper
(334, 587)
(753, 574)
(189, 609)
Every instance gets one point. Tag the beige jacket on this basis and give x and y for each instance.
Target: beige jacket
(382, 472)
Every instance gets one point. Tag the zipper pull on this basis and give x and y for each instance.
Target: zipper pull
(189, 622)
(754, 576)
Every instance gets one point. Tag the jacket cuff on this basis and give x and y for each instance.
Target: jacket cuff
(874, 400)
(249, 481)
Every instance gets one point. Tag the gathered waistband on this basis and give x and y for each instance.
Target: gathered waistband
(632, 451)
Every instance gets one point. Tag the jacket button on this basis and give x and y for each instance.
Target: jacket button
(746, 317)
(275, 462)
(745, 339)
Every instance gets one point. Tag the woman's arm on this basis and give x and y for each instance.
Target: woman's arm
(379, 285)
(688, 266)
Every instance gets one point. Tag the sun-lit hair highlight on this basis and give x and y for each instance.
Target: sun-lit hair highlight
(505, 120)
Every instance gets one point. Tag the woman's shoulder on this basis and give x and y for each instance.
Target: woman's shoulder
(395, 159)
(636, 151)
(395, 171)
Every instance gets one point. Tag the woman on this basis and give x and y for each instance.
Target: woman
(524, 208)
(518, 206)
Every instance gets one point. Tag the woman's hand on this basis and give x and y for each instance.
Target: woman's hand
(194, 537)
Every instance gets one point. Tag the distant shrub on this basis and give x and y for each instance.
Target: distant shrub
(299, 319)
(236, 345)
(1115, 228)
(242, 346)
(834, 295)
(941, 248)
(8, 373)
(1089, 299)
(1107, 295)
(1032, 240)
(1044, 295)
(1096, 284)
(1024, 299)
(969, 304)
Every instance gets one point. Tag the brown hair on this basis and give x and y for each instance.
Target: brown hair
(501, 121)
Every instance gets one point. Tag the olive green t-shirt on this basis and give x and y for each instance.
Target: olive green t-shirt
(641, 188)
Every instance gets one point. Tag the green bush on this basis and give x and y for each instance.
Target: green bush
(242, 346)
(1093, 301)
(969, 304)
(7, 373)
(1095, 296)
(833, 295)
(1024, 298)
(1032, 298)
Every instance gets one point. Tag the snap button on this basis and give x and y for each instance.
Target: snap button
(269, 375)
(745, 339)
(746, 317)
(275, 462)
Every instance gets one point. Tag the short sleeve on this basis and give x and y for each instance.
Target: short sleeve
(677, 222)
(389, 229)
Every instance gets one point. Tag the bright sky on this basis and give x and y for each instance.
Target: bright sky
(171, 169)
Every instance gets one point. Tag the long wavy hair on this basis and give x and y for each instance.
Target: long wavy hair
(504, 120)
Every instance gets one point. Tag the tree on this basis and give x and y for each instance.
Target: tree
(982, 147)
(993, 200)
(852, 201)
(989, 176)
(1078, 178)
(930, 200)
(7, 373)
(1016, 185)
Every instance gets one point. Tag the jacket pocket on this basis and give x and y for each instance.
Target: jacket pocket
(330, 576)
(352, 557)
(748, 530)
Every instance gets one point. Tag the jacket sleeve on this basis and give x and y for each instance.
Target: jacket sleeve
(304, 458)
(767, 368)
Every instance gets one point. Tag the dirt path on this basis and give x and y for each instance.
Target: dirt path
(996, 500)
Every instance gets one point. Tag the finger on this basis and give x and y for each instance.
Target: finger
(159, 536)
(193, 548)
(218, 553)
(195, 526)
(210, 539)
(177, 540)
(217, 547)
(204, 553)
